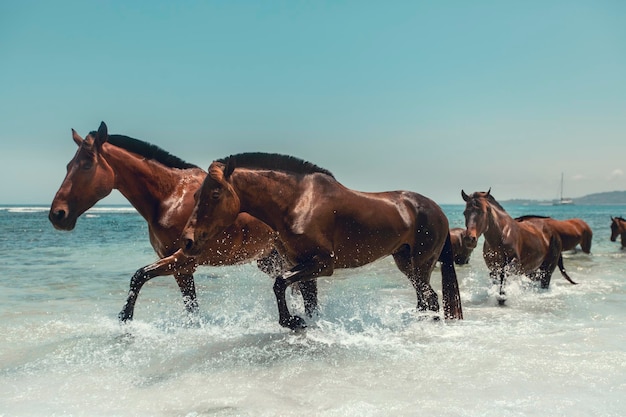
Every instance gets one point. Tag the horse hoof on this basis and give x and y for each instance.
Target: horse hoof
(295, 323)
(123, 317)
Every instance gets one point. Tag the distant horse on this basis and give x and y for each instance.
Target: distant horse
(571, 231)
(511, 247)
(161, 188)
(324, 225)
(461, 251)
(618, 227)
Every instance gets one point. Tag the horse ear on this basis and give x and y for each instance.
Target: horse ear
(230, 167)
(77, 138)
(465, 196)
(488, 192)
(103, 134)
(216, 171)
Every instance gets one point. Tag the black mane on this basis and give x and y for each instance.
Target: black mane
(530, 216)
(148, 150)
(273, 161)
(493, 201)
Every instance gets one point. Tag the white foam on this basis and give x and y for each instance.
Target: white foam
(43, 209)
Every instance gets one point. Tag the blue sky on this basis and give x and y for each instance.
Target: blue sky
(430, 96)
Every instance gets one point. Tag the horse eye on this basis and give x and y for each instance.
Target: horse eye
(215, 194)
(87, 165)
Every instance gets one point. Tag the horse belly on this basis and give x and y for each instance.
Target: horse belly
(531, 258)
(356, 248)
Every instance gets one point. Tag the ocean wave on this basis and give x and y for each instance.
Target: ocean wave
(40, 209)
(25, 209)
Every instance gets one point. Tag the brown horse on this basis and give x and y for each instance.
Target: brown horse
(511, 247)
(461, 251)
(618, 227)
(161, 188)
(572, 231)
(324, 225)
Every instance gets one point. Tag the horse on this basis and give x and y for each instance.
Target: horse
(461, 251)
(572, 231)
(324, 225)
(511, 247)
(618, 227)
(161, 188)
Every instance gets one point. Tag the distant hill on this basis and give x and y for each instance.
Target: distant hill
(607, 198)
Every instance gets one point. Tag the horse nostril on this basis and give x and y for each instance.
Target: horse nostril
(188, 244)
(57, 215)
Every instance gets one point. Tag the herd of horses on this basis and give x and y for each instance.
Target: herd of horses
(298, 223)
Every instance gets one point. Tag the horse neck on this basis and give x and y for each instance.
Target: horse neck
(143, 182)
(499, 223)
(259, 194)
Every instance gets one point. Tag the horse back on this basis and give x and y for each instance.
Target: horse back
(368, 226)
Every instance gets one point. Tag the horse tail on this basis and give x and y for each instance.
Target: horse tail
(562, 269)
(449, 283)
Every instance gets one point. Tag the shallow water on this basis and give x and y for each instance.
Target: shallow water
(558, 352)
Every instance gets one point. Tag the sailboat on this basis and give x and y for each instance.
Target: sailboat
(563, 201)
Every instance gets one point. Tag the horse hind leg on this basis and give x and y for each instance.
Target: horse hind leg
(585, 243)
(553, 258)
(427, 299)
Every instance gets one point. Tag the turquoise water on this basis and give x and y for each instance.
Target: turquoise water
(560, 352)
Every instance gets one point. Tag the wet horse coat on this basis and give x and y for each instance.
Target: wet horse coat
(512, 247)
(462, 252)
(323, 225)
(161, 188)
(573, 232)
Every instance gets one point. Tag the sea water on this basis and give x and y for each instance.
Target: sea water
(555, 352)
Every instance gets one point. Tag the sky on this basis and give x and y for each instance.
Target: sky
(428, 96)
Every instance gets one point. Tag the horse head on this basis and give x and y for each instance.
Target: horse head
(477, 211)
(217, 207)
(89, 179)
(616, 227)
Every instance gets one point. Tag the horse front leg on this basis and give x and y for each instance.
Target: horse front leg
(308, 289)
(179, 265)
(136, 282)
(275, 264)
(285, 318)
(305, 272)
(188, 290)
(501, 297)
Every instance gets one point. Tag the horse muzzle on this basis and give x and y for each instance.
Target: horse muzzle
(470, 241)
(60, 219)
